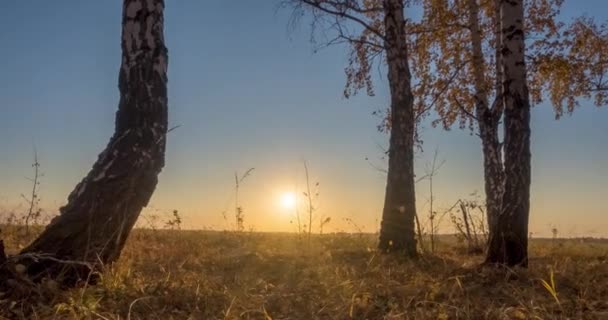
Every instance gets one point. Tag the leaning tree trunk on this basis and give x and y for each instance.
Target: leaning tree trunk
(397, 228)
(509, 236)
(101, 211)
(487, 119)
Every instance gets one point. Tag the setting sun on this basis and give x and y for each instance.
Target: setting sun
(288, 200)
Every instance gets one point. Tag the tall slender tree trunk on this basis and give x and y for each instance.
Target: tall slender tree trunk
(103, 208)
(492, 168)
(509, 236)
(487, 119)
(397, 227)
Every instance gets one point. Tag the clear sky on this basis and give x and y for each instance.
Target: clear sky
(249, 92)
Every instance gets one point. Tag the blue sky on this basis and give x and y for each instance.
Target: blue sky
(249, 92)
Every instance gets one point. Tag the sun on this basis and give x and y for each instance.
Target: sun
(288, 200)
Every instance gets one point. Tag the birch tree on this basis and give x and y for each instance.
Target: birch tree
(94, 224)
(458, 66)
(377, 30)
(508, 243)
(398, 216)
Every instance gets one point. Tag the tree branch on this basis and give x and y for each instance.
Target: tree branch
(464, 110)
(336, 5)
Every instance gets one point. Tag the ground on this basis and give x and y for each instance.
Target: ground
(226, 275)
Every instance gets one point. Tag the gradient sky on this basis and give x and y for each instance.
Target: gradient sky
(249, 92)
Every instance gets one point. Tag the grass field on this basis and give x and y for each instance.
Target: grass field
(226, 275)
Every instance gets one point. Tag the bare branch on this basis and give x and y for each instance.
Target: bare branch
(341, 9)
(464, 110)
(342, 37)
(37, 257)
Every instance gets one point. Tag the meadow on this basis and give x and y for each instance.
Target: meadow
(172, 274)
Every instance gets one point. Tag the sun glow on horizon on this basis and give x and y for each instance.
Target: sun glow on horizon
(288, 200)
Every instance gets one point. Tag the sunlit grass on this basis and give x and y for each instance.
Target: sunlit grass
(224, 275)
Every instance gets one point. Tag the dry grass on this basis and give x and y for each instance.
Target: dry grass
(215, 275)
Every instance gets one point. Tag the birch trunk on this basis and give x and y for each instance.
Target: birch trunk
(101, 211)
(397, 227)
(509, 236)
(488, 120)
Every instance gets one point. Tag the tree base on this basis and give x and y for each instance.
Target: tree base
(403, 247)
(508, 250)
